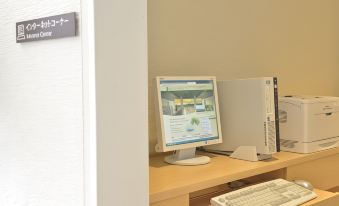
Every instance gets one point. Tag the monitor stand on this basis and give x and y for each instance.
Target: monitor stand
(187, 157)
(249, 153)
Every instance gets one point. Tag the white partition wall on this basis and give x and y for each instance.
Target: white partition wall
(121, 86)
(41, 112)
(66, 104)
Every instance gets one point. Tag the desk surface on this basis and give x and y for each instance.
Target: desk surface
(167, 181)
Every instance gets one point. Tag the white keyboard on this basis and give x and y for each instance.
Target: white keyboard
(277, 192)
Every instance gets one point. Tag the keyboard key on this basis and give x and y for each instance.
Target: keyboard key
(305, 193)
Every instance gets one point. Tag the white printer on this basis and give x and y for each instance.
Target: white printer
(308, 123)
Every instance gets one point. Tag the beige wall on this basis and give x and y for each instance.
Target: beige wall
(295, 40)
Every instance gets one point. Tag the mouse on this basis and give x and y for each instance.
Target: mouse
(304, 184)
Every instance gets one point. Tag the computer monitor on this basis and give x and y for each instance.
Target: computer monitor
(187, 117)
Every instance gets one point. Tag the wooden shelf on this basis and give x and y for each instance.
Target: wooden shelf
(335, 189)
(324, 198)
(195, 185)
(170, 181)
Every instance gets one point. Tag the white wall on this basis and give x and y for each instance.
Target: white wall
(41, 114)
(89, 102)
(121, 86)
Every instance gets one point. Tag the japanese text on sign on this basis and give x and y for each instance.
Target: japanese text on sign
(46, 28)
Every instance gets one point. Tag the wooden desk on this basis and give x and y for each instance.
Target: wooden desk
(183, 185)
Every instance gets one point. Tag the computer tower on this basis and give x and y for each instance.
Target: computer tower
(249, 116)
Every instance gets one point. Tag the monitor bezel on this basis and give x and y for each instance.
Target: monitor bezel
(161, 144)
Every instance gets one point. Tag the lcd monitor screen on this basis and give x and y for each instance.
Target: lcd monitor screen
(188, 111)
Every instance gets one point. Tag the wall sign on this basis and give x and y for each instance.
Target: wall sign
(52, 27)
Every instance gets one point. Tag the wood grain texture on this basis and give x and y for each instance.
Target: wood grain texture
(41, 114)
(168, 181)
(182, 200)
(322, 173)
(324, 199)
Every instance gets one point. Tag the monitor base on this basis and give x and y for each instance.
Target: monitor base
(249, 153)
(187, 157)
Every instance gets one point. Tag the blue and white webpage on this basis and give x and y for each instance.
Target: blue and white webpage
(188, 108)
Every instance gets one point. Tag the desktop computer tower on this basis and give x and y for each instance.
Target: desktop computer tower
(249, 116)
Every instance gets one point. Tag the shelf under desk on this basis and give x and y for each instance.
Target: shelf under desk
(171, 182)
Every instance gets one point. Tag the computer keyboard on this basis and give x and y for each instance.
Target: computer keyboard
(277, 192)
